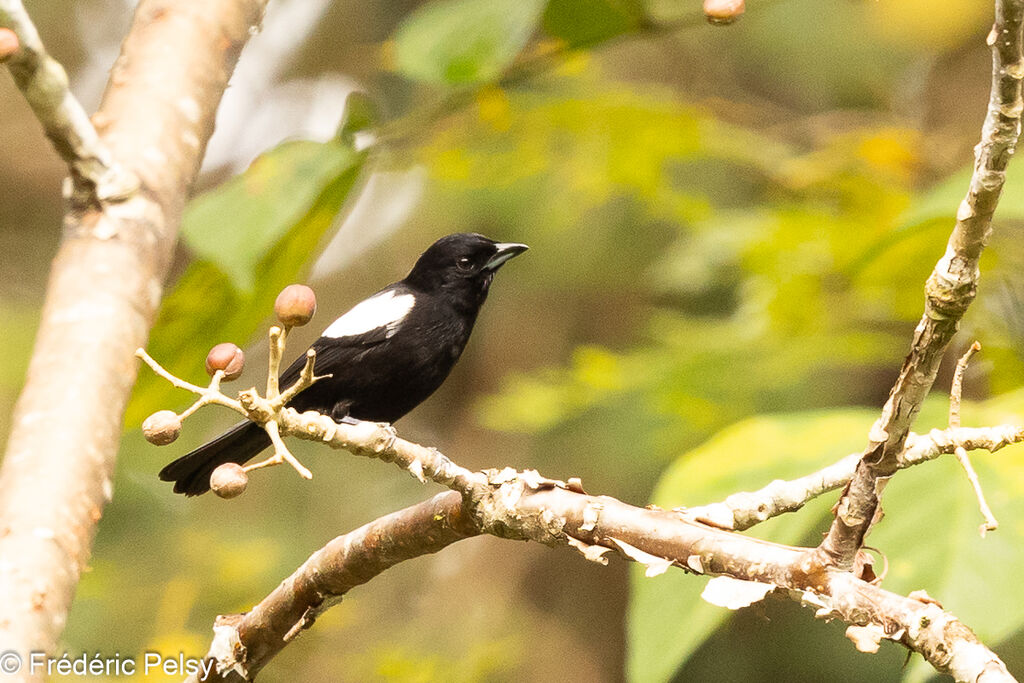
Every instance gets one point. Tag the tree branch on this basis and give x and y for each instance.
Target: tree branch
(527, 506)
(949, 291)
(95, 174)
(741, 511)
(595, 525)
(105, 286)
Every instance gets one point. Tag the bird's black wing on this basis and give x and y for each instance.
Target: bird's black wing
(334, 353)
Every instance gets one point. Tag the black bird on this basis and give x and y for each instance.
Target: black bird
(385, 356)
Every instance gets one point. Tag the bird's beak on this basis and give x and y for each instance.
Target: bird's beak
(505, 251)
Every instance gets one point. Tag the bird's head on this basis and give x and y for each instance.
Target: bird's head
(462, 263)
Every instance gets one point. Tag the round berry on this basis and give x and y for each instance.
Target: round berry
(162, 427)
(8, 43)
(226, 357)
(229, 480)
(723, 11)
(295, 305)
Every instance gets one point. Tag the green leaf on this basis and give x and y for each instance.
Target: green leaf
(588, 22)
(931, 214)
(224, 297)
(667, 619)
(458, 42)
(361, 114)
(940, 202)
(234, 225)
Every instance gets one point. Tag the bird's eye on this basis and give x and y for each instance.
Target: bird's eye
(465, 264)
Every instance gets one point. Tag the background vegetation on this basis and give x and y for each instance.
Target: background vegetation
(731, 227)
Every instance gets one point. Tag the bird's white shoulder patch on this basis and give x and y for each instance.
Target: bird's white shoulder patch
(386, 309)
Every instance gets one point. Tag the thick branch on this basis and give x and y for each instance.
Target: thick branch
(949, 291)
(45, 85)
(594, 525)
(344, 563)
(105, 286)
(925, 628)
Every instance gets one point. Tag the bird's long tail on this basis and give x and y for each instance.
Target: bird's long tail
(191, 472)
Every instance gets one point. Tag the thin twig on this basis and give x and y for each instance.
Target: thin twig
(213, 395)
(272, 461)
(957, 386)
(44, 83)
(213, 388)
(282, 451)
(278, 337)
(990, 523)
(210, 394)
(743, 510)
(306, 380)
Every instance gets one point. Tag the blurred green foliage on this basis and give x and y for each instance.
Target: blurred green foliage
(587, 22)
(800, 274)
(236, 226)
(457, 42)
(720, 245)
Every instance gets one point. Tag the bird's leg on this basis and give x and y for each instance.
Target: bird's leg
(339, 413)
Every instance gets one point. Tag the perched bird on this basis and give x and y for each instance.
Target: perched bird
(385, 356)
